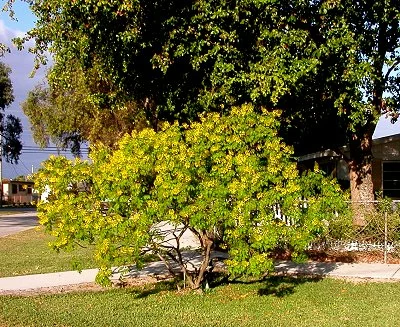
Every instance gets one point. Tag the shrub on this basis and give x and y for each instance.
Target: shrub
(222, 178)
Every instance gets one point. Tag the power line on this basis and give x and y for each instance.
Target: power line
(36, 149)
(25, 167)
(49, 147)
(51, 150)
(15, 170)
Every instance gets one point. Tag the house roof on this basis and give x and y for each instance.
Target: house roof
(8, 181)
(386, 128)
(319, 154)
(386, 139)
(385, 132)
(332, 153)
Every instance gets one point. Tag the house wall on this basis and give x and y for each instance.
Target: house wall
(387, 151)
(342, 170)
(21, 195)
(386, 155)
(377, 174)
(6, 189)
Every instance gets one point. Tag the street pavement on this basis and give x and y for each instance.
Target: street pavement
(22, 219)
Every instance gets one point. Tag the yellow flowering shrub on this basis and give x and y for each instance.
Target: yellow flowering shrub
(222, 178)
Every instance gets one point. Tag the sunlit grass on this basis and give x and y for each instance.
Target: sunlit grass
(275, 302)
(28, 252)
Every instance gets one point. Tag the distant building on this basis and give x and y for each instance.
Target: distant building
(18, 192)
(385, 165)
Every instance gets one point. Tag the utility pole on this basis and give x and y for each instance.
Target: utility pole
(1, 163)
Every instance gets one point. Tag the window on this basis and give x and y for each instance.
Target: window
(22, 187)
(391, 179)
(328, 167)
(14, 188)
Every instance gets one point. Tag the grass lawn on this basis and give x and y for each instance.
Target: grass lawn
(28, 253)
(275, 302)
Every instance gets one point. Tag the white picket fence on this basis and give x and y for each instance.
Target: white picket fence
(353, 246)
(385, 247)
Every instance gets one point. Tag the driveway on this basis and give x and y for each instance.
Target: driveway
(23, 219)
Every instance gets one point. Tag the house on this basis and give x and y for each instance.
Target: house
(17, 192)
(385, 165)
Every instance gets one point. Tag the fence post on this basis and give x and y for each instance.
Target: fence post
(386, 241)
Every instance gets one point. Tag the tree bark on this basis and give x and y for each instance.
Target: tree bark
(360, 170)
(207, 246)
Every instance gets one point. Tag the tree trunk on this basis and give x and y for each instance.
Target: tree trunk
(360, 170)
(207, 246)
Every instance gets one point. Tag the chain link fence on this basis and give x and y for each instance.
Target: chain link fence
(367, 228)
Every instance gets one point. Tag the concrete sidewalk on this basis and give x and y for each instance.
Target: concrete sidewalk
(345, 270)
(338, 269)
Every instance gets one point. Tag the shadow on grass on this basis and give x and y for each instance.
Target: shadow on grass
(281, 286)
(276, 285)
(154, 288)
(288, 275)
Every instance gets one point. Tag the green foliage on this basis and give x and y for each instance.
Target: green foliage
(67, 117)
(332, 67)
(6, 89)
(171, 60)
(179, 58)
(375, 216)
(222, 178)
(10, 126)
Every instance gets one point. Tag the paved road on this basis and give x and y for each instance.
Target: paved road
(23, 219)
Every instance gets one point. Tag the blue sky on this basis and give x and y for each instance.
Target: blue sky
(21, 63)
(25, 20)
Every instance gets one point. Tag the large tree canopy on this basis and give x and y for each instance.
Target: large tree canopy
(66, 116)
(10, 126)
(330, 65)
(364, 38)
(177, 58)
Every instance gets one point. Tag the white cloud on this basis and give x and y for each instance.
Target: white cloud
(6, 34)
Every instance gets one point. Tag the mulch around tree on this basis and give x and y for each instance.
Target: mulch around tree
(344, 256)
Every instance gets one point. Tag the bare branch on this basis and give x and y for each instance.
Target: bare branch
(167, 264)
(397, 62)
(80, 245)
(195, 232)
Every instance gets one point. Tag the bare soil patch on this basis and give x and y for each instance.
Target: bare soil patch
(352, 257)
(343, 256)
(83, 287)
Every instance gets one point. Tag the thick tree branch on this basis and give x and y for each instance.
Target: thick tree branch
(395, 64)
